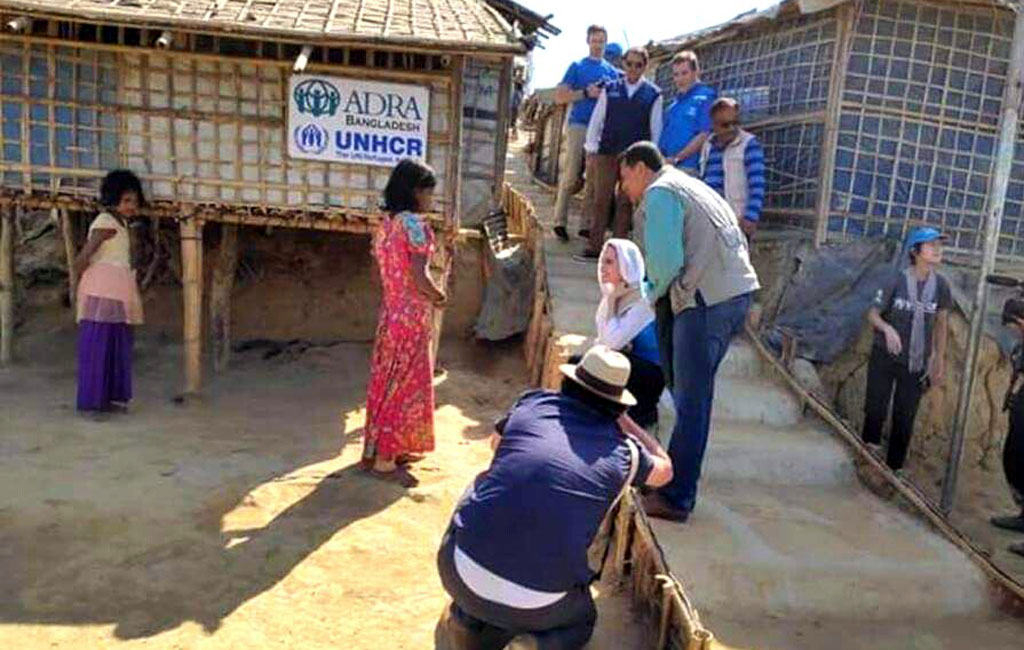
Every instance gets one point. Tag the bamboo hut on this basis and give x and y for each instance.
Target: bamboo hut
(231, 113)
(875, 114)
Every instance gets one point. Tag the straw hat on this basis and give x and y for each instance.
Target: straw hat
(604, 372)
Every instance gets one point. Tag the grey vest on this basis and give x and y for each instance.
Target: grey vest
(716, 260)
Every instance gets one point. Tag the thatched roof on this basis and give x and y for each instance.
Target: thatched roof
(426, 23)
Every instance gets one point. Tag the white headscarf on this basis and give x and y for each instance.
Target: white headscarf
(616, 300)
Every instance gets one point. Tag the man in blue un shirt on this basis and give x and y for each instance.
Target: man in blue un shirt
(688, 118)
(517, 557)
(581, 86)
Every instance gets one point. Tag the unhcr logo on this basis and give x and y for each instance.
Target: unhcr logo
(317, 97)
(311, 138)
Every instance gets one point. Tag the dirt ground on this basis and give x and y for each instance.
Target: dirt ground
(237, 521)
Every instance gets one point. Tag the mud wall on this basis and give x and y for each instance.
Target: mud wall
(844, 383)
(290, 284)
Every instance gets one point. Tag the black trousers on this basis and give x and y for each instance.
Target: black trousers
(891, 381)
(1013, 451)
(565, 625)
(646, 383)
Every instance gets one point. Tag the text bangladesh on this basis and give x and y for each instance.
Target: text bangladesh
(379, 123)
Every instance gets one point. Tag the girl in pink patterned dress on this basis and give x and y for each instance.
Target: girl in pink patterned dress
(400, 397)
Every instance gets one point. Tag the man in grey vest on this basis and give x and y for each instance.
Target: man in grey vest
(700, 280)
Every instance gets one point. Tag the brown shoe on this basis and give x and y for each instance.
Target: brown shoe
(656, 505)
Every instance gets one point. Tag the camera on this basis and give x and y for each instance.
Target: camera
(1013, 308)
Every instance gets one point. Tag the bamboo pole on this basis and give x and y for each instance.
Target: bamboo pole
(833, 111)
(192, 293)
(220, 296)
(993, 222)
(6, 286)
(453, 191)
(504, 111)
(67, 233)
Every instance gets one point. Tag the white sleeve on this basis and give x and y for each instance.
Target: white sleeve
(596, 125)
(656, 116)
(619, 332)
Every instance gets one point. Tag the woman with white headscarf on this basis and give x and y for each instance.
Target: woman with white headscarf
(625, 322)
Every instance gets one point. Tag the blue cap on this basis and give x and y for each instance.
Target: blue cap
(612, 51)
(923, 235)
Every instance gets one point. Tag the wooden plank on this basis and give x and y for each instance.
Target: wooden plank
(220, 296)
(6, 285)
(192, 294)
(833, 110)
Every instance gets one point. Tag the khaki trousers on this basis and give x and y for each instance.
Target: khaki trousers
(576, 135)
(607, 204)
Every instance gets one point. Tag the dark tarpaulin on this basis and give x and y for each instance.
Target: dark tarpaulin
(824, 300)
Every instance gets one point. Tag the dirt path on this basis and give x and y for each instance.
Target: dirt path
(237, 522)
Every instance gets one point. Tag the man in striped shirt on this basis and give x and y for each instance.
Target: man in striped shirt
(732, 164)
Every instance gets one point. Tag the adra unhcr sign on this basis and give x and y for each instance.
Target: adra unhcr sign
(335, 119)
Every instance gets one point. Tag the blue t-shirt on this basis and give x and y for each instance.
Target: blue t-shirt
(687, 115)
(645, 344)
(531, 517)
(581, 74)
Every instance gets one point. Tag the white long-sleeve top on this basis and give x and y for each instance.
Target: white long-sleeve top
(619, 331)
(596, 125)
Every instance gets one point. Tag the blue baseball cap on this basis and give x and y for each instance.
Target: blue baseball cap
(923, 235)
(612, 51)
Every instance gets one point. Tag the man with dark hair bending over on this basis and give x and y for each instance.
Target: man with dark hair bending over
(518, 557)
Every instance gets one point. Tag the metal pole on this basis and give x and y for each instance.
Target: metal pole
(993, 222)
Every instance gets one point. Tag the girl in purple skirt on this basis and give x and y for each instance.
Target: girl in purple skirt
(108, 303)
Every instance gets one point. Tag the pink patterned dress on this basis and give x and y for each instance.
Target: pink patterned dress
(400, 397)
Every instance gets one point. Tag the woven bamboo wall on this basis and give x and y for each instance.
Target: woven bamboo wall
(918, 114)
(781, 78)
(196, 128)
(917, 134)
(482, 133)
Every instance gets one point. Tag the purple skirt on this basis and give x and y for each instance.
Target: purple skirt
(104, 364)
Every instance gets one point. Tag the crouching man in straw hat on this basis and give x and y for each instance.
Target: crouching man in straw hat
(531, 533)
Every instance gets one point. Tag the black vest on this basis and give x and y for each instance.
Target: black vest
(628, 119)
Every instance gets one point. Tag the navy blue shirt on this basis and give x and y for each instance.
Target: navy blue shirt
(531, 517)
(628, 119)
(581, 74)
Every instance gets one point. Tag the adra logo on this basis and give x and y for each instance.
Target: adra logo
(317, 97)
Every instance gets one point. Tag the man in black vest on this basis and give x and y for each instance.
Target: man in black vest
(628, 111)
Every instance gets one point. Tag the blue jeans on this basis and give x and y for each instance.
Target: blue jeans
(700, 339)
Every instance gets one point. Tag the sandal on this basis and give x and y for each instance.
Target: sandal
(398, 475)
(409, 459)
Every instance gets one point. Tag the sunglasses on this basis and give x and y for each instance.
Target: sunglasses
(727, 125)
(635, 64)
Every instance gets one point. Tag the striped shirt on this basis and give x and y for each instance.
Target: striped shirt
(753, 162)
